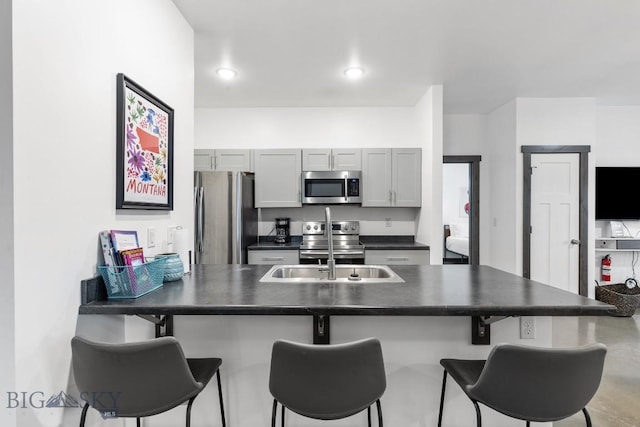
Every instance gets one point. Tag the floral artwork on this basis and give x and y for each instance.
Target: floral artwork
(145, 156)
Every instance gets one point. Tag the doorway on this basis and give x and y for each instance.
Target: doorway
(460, 209)
(555, 216)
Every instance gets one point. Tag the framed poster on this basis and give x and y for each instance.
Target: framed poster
(144, 152)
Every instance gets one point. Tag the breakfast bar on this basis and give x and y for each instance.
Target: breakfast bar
(227, 311)
(477, 291)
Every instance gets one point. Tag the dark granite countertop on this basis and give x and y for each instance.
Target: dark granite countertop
(392, 243)
(267, 243)
(270, 246)
(452, 290)
(370, 242)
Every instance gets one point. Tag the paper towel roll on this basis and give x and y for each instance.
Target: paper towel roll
(182, 246)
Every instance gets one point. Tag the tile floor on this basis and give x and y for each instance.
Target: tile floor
(617, 402)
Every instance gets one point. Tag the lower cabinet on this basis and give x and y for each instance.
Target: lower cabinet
(273, 257)
(396, 257)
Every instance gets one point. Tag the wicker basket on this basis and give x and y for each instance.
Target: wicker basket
(626, 300)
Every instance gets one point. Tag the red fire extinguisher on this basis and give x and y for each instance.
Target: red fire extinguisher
(606, 268)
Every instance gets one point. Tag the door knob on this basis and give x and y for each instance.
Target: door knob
(575, 241)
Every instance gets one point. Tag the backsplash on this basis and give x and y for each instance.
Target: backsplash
(373, 221)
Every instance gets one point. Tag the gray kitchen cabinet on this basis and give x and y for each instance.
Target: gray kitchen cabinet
(326, 159)
(203, 160)
(396, 257)
(272, 257)
(222, 160)
(277, 178)
(392, 177)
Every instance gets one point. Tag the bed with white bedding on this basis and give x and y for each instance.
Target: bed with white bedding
(456, 243)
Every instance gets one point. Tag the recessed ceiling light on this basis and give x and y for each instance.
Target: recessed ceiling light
(354, 72)
(226, 73)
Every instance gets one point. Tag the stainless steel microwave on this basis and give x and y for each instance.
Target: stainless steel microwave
(331, 187)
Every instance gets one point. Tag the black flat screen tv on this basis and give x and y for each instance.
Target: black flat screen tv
(616, 198)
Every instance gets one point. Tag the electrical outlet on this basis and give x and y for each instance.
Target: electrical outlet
(527, 327)
(387, 222)
(151, 237)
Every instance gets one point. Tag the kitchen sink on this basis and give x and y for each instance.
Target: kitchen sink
(305, 273)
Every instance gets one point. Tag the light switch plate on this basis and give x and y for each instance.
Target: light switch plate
(151, 237)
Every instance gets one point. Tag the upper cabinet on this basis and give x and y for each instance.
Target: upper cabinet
(222, 160)
(392, 177)
(277, 174)
(332, 159)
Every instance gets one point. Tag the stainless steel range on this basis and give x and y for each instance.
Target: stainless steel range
(347, 248)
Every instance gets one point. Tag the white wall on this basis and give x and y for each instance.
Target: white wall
(501, 156)
(464, 134)
(7, 331)
(428, 113)
(305, 127)
(66, 57)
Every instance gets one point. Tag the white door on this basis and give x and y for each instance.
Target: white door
(555, 213)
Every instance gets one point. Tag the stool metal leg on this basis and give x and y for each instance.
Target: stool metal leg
(478, 416)
(444, 386)
(274, 413)
(138, 421)
(83, 417)
(586, 416)
(379, 412)
(282, 415)
(224, 424)
(188, 422)
(369, 416)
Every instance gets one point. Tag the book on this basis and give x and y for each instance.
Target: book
(115, 282)
(107, 248)
(124, 239)
(132, 259)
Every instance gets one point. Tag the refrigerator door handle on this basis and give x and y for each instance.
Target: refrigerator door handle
(199, 221)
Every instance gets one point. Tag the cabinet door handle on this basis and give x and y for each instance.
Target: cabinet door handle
(395, 197)
(390, 197)
(273, 258)
(397, 258)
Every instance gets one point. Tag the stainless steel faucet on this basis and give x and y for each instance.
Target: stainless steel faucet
(331, 262)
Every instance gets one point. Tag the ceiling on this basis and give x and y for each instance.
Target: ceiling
(292, 53)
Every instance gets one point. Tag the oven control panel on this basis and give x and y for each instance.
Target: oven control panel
(337, 227)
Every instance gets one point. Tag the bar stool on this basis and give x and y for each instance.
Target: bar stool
(139, 379)
(327, 382)
(529, 383)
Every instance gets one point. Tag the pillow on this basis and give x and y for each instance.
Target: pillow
(459, 230)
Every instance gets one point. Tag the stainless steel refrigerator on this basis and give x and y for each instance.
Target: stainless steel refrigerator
(226, 221)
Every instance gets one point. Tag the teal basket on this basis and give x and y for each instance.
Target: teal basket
(132, 281)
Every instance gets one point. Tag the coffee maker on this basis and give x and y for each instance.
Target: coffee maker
(282, 230)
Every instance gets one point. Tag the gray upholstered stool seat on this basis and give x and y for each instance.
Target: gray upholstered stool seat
(140, 379)
(529, 383)
(327, 382)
